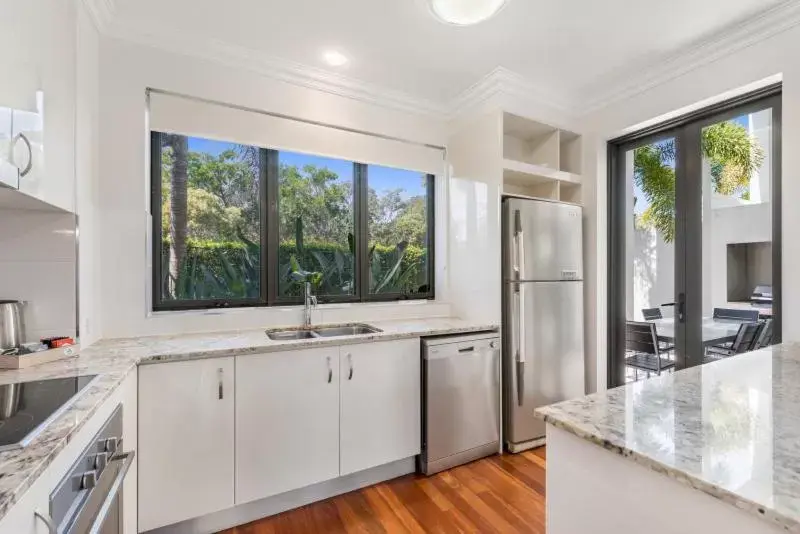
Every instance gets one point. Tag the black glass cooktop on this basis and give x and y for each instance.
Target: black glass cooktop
(26, 407)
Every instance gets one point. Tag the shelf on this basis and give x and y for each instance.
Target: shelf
(571, 193)
(521, 173)
(541, 161)
(549, 190)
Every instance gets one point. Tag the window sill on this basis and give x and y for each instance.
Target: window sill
(293, 308)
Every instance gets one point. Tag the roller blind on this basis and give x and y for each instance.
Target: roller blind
(187, 116)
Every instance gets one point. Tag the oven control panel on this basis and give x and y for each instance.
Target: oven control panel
(76, 487)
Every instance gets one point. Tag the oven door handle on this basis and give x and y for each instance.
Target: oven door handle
(113, 491)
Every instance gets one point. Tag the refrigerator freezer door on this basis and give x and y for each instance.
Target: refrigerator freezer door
(543, 240)
(550, 337)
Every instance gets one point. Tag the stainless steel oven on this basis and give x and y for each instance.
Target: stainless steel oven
(88, 500)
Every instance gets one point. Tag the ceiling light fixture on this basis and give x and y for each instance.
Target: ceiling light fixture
(464, 12)
(334, 58)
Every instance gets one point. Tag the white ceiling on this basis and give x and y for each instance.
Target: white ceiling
(566, 48)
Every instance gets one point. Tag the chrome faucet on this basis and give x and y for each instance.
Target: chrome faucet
(310, 303)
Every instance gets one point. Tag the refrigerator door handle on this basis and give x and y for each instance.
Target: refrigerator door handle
(520, 356)
(519, 247)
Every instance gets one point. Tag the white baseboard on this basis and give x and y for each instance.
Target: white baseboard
(245, 513)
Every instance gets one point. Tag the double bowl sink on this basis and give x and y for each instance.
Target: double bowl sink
(315, 332)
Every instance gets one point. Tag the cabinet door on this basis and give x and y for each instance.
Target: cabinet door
(287, 421)
(380, 403)
(186, 418)
(22, 519)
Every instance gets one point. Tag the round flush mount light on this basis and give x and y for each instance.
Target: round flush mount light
(334, 58)
(464, 12)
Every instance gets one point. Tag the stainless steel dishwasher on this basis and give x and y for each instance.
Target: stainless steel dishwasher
(461, 399)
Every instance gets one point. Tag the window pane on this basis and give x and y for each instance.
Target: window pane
(317, 225)
(398, 231)
(210, 220)
(737, 231)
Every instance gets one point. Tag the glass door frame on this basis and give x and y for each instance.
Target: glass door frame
(688, 284)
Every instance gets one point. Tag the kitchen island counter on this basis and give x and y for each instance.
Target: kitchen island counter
(729, 429)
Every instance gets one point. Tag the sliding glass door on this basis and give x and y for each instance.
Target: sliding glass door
(694, 233)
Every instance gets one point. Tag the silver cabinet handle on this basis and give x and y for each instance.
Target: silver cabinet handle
(330, 370)
(350, 362)
(220, 391)
(47, 520)
(25, 140)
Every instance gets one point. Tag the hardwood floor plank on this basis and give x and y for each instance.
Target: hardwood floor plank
(499, 494)
(406, 518)
(357, 514)
(389, 518)
(523, 468)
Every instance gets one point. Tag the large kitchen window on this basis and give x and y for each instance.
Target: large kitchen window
(237, 225)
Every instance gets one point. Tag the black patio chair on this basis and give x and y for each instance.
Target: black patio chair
(651, 314)
(736, 314)
(645, 354)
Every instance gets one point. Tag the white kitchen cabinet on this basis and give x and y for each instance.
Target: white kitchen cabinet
(43, 37)
(186, 440)
(21, 519)
(287, 421)
(380, 403)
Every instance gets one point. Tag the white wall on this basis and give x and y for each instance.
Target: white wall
(86, 173)
(126, 71)
(772, 58)
(37, 262)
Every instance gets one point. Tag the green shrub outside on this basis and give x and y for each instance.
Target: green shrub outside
(216, 269)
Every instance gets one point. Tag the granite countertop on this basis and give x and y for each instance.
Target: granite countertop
(112, 361)
(730, 429)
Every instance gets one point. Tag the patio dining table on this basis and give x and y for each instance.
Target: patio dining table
(715, 331)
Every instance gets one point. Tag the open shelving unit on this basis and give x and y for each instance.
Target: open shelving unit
(540, 160)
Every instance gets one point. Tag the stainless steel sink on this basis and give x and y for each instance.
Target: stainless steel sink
(290, 334)
(349, 330)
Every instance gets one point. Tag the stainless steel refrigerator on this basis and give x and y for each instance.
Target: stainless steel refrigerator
(543, 359)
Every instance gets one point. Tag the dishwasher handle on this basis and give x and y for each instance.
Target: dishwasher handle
(464, 348)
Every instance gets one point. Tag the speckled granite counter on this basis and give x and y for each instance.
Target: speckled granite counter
(730, 429)
(112, 360)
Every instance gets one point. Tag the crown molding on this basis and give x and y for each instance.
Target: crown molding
(256, 61)
(769, 23)
(502, 85)
(101, 13)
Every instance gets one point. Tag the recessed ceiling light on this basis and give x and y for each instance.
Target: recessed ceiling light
(464, 12)
(334, 58)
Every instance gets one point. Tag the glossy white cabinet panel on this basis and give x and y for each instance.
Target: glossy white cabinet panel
(186, 447)
(287, 421)
(42, 35)
(475, 250)
(380, 403)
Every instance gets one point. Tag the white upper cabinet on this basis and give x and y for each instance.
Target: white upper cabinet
(380, 403)
(287, 421)
(186, 432)
(42, 35)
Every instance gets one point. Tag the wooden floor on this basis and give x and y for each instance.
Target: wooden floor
(497, 494)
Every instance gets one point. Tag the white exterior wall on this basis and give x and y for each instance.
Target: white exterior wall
(769, 60)
(126, 71)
